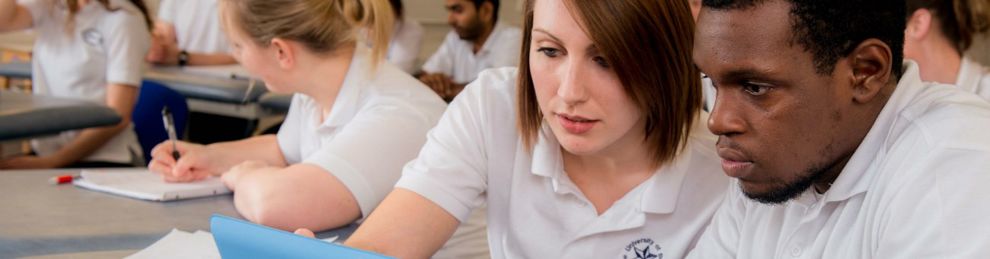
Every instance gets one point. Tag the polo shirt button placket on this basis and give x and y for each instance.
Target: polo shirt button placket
(796, 251)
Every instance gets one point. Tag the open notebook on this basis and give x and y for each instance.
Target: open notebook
(145, 185)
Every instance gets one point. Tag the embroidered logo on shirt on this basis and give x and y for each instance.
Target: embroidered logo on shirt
(643, 248)
(92, 37)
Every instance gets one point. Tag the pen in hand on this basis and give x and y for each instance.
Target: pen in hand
(170, 129)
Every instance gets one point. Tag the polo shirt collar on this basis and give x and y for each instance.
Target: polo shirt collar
(345, 105)
(547, 160)
(490, 41)
(969, 76)
(859, 172)
(662, 189)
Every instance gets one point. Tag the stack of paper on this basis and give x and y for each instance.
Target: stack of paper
(145, 185)
(181, 244)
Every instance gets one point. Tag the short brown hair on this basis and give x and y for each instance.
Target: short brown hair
(648, 44)
(321, 25)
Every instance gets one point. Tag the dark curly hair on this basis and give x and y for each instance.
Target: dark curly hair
(831, 29)
(495, 4)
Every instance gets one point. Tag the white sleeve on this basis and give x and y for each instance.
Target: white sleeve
(405, 46)
(167, 11)
(721, 238)
(709, 92)
(442, 61)
(41, 10)
(942, 211)
(508, 48)
(288, 134)
(368, 153)
(127, 43)
(451, 169)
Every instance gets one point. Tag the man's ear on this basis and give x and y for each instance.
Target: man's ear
(919, 25)
(871, 65)
(284, 53)
(486, 11)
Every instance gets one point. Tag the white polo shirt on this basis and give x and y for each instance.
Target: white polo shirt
(974, 78)
(406, 41)
(709, 92)
(915, 188)
(377, 124)
(475, 155)
(104, 47)
(456, 57)
(197, 25)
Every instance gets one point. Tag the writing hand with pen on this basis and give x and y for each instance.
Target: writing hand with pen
(196, 162)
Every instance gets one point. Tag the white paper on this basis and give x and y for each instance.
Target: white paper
(181, 244)
(145, 185)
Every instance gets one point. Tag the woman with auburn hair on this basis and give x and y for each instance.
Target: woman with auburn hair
(594, 148)
(937, 35)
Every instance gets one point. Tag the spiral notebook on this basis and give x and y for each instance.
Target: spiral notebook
(145, 185)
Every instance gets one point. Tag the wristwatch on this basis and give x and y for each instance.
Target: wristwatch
(183, 58)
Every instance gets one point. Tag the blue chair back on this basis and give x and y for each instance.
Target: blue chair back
(147, 116)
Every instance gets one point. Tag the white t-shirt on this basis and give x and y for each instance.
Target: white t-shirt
(456, 57)
(104, 47)
(475, 155)
(197, 25)
(915, 188)
(406, 41)
(974, 78)
(377, 124)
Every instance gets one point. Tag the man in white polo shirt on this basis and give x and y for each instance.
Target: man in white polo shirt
(188, 32)
(838, 148)
(477, 42)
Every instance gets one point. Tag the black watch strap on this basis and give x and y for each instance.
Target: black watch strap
(183, 58)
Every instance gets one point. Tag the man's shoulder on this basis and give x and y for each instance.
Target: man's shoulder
(948, 116)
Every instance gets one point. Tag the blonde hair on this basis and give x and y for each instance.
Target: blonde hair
(960, 20)
(322, 26)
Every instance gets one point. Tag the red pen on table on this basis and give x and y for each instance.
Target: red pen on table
(63, 179)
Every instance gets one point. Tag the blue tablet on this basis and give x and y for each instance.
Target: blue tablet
(241, 239)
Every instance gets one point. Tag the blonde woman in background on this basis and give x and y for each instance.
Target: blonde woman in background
(939, 32)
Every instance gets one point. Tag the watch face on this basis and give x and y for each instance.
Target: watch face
(183, 58)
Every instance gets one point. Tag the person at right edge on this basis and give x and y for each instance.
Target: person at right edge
(939, 32)
(839, 149)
